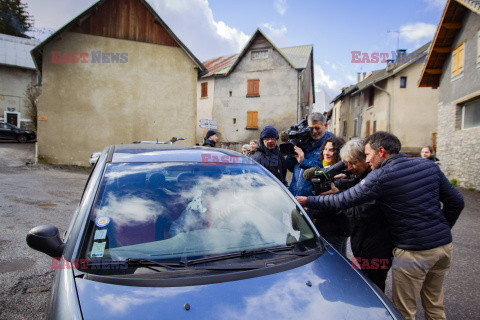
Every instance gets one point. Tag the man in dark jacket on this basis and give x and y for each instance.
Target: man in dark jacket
(371, 242)
(268, 154)
(421, 207)
(211, 139)
(308, 158)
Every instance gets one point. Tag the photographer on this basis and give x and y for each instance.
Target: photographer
(308, 158)
(371, 242)
(333, 227)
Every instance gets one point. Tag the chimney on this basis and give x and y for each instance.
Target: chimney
(390, 65)
(401, 54)
(364, 74)
(358, 76)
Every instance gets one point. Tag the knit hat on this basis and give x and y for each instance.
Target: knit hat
(210, 133)
(246, 146)
(269, 132)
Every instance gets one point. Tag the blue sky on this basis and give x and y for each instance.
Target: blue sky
(211, 28)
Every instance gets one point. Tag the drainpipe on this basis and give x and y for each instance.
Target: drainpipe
(389, 103)
(299, 98)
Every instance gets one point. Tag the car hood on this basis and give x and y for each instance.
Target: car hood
(326, 288)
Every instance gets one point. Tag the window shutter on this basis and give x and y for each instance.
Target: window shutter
(457, 60)
(252, 117)
(253, 87)
(368, 129)
(204, 89)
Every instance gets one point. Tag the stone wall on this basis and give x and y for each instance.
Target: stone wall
(457, 149)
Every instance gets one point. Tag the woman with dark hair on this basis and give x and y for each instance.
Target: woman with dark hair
(330, 151)
(335, 228)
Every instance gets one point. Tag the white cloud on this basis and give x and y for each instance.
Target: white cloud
(281, 6)
(276, 35)
(436, 4)
(323, 80)
(418, 33)
(193, 23)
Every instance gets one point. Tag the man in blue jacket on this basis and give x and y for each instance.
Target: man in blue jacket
(308, 158)
(421, 207)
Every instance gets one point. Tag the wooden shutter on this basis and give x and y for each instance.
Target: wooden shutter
(204, 89)
(368, 128)
(374, 127)
(457, 60)
(252, 118)
(253, 88)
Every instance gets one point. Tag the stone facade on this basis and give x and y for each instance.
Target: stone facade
(458, 150)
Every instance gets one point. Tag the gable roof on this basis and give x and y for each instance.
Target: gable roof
(15, 51)
(79, 22)
(449, 26)
(382, 74)
(297, 57)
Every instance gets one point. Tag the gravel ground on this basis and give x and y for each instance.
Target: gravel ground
(32, 196)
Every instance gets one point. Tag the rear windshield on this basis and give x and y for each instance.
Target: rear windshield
(174, 211)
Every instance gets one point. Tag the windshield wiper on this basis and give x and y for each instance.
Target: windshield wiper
(247, 253)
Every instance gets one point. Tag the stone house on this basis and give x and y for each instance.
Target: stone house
(389, 100)
(17, 71)
(453, 66)
(115, 74)
(262, 85)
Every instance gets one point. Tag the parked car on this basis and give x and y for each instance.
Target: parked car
(11, 132)
(171, 232)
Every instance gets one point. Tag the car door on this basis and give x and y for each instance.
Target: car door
(6, 132)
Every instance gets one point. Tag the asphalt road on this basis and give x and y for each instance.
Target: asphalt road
(41, 194)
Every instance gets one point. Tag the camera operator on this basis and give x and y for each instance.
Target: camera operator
(371, 242)
(308, 158)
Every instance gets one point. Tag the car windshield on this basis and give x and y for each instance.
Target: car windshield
(184, 211)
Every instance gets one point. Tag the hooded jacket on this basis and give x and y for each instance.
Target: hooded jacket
(420, 204)
(271, 159)
(299, 186)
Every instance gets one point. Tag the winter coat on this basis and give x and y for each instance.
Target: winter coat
(208, 143)
(299, 186)
(271, 160)
(410, 192)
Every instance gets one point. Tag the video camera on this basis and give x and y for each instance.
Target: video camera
(298, 135)
(322, 179)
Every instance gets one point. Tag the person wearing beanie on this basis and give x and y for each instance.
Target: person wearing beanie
(268, 154)
(211, 139)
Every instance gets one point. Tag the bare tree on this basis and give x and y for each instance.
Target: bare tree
(31, 111)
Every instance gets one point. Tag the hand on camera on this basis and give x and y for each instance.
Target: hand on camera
(300, 155)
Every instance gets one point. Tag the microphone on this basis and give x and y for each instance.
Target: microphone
(310, 173)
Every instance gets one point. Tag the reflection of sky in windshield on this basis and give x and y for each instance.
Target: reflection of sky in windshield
(185, 207)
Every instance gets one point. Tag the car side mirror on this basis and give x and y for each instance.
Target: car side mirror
(46, 239)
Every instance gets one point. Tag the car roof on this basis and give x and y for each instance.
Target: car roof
(167, 152)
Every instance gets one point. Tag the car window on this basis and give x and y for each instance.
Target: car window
(177, 211)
